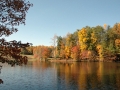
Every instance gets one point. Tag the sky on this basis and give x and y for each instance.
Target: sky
(58, 17)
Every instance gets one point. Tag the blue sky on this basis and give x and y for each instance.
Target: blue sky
(49, 17)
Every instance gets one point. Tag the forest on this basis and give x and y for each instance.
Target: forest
(99, 43)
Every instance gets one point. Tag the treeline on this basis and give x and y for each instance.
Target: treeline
(88, 43)
(27, 50)
(42, 52)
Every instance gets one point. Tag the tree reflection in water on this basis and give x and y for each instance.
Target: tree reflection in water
(1, 81)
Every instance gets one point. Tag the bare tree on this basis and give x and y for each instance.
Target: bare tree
(54, 39)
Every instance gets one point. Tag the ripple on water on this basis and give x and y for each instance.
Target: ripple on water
(54, 77)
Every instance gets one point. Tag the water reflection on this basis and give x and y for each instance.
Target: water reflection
(64, 76)
(0, 68)
(1, 81)
(86, 75)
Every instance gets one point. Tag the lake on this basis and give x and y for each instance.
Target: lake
(38, 75)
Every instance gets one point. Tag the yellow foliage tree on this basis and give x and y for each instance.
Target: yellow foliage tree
(93, 38)
(67, 52)
(68, 46)
(62, 51)
(105, 26)
(100, 52)
(116, 28)
(82, 36)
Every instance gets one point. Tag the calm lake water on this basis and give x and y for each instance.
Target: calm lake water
(38, 75)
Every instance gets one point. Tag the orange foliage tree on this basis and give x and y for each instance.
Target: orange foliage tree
(42, 52)
(46, 53)
(117, 44)
(75, 53)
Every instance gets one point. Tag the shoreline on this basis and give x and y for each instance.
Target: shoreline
(64, 61)
(31, 58)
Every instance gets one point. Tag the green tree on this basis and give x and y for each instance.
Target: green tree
(59, 41)
(110, 40)
(27, 50)
(24, 51)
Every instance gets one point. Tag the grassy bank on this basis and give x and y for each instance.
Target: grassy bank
(30, 57)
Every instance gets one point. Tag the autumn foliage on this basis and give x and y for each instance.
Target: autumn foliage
(12, 13)
(88, 43)
(42, 52)
(75, 53)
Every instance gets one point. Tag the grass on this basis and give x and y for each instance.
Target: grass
(30, 57)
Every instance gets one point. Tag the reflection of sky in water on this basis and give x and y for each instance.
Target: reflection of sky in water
(24, 78)
(61, 76)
